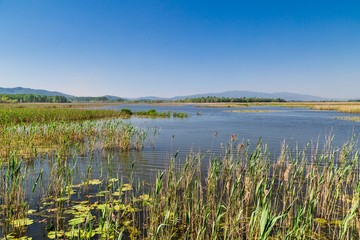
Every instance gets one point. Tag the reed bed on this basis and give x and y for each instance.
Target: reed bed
(16, 116)
(345, 108)
(32, 115)
(246, 196)
(349, 118)
(66, 137)
(311, 193)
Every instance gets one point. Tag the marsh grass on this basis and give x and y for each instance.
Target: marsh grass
(40, 115)
(345, 107)
(349, 118)
(311, 193)
(66, 137)
(251, 111)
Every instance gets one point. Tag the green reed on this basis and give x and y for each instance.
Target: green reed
(307, 193)
(30, 140)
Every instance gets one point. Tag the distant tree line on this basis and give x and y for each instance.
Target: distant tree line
(94, 100)
(34, 98)
(210, 99)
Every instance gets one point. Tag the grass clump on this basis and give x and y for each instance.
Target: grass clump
(152, 113)
(180, 115)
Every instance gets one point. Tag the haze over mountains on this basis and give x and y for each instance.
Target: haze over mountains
(235, 94)
(20, 90)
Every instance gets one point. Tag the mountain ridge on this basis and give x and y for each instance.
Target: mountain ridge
(21, 90)
(231, 94)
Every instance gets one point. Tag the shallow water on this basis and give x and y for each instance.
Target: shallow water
(296, 125)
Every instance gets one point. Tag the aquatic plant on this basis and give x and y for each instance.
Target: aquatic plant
(244, 194)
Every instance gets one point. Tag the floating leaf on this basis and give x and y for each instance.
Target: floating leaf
(78, 185)
(94, 182)
(62, 199)
(69, 211)
(119, 207)
(11, 237)
(31, 211)
(126, 187)
(102, 206)
(102, 193)
(117, 193)
(57, 234)
(22, 222)
(81, 208)
(76, 221)
(52, 210)
(85, 235)
(112, 180)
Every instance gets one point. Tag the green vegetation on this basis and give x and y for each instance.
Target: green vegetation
(31, 115)
(32, 98)
(153, 113)
(30, 140)
(349, 118)
(242, 195)
(35, 98)
(180, 115)
(47, 170)
(94, 100)
(210, 99)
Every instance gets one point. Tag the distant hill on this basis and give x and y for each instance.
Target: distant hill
(111, 97)
(20, 90)
(247, 94)
(231, 94)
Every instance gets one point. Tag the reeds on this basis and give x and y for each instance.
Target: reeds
(245, 195)
(31, 140)
(304, 194)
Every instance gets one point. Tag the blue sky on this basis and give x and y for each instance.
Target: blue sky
(170, 48)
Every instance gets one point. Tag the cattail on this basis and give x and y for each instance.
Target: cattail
(240, 146)
(233, 137)
(247, 189)
(287, 172)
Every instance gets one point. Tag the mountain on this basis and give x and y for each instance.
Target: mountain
(235, 94)
(111, 97)
(20, 90)
(238, 94)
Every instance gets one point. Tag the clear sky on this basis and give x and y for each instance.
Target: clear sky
(131, 48)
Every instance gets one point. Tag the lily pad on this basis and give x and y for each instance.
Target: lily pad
(94, 182)
(31, 211)
(117, 193)
(102, 193)
(22, 222)
(53, 234)
(126, 187)
(76, 221)
(112, 180)
(62, 199)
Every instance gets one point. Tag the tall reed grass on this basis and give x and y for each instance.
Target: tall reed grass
(311, 193)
